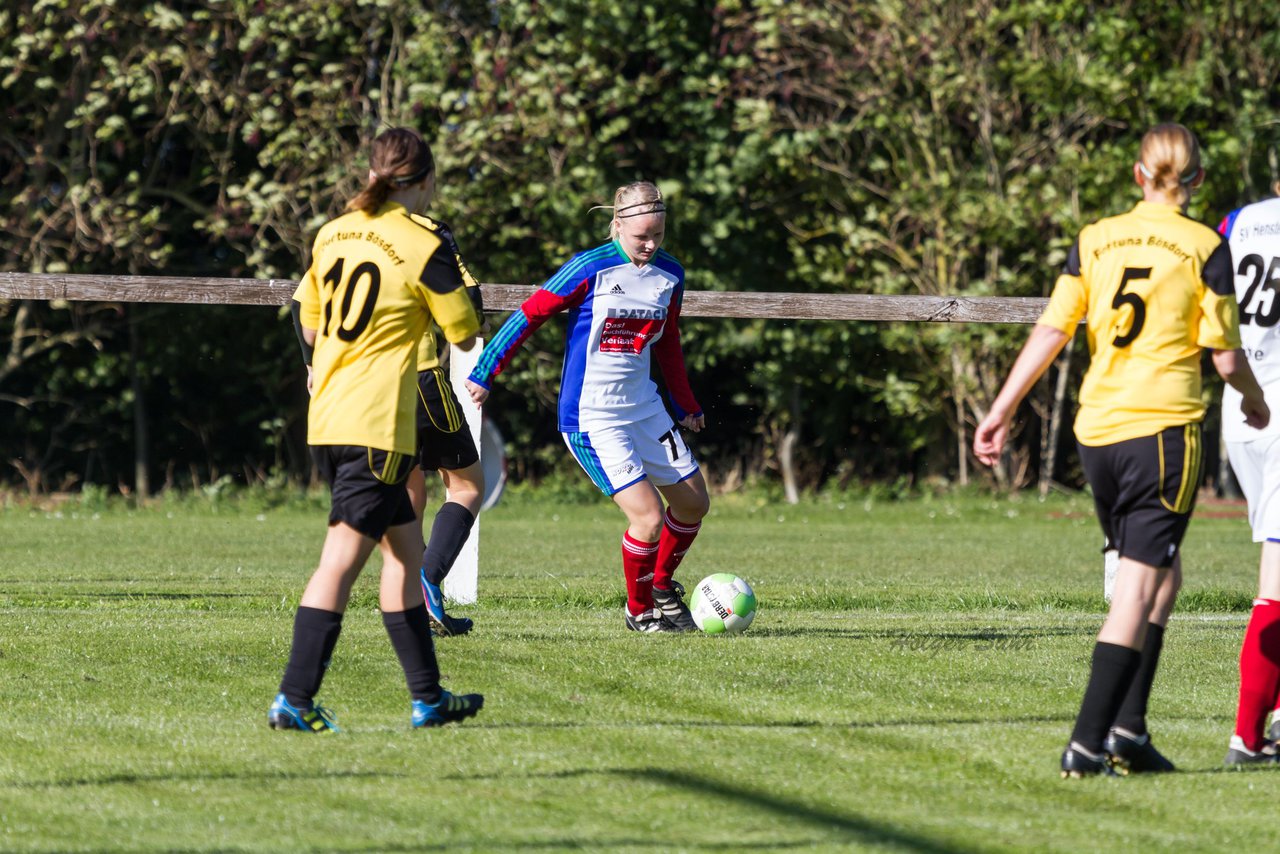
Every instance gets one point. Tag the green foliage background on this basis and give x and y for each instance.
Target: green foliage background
(893, 147)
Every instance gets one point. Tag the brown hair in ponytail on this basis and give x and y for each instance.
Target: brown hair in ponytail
(399, 157)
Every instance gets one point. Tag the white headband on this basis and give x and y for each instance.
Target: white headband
(1186, 179)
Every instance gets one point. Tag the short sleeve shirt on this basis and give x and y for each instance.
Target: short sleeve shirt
(374, 284)
(1254, 235)
(1154, 288)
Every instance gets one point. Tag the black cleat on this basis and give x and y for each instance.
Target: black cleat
(645, 621)
(1239, 756)
(649, 621)
(1134, 754)
(674, 611)
(1076, 763)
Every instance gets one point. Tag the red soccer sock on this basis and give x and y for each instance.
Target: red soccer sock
(676, 538)
(638, 558)
(1259, 671)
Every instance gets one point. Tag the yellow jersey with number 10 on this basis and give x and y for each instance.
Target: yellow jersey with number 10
(374, 284)
(1155, 288)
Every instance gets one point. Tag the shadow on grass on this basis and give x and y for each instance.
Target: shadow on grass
(198, 777)
(89, 596)
(490, 844)
(793, 724)
(861, 829)
(855, 828)
(629, 843)
(905, 637)
(976, 635)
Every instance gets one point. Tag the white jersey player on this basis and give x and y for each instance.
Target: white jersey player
(1254, 234)
(623, 303)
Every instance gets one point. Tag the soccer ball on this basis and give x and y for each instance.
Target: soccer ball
(723, 604)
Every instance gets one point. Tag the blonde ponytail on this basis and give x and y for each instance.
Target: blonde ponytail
(1169, 159)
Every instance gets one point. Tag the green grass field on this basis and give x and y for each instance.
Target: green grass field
(908, 685)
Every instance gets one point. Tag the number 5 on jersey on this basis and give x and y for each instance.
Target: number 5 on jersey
(1133, 301)
(333, 279)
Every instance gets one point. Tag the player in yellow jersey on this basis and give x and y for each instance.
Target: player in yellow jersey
(444, 445)
(1155, 288)
(378, 277)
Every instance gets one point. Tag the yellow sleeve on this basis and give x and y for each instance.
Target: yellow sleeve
(454, 314)
(1219, 322)
(308, 296)
(440, 287)
(1067, 305)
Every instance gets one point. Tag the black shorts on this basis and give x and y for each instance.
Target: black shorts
(444, 440)
(1144, 491)
(367, 487)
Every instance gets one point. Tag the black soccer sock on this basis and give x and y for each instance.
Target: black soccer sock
(1109, 678)
(315, 634)
(410, 633)
(448, 534)
(1133, 713)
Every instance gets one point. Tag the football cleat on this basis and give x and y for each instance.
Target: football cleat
(1134, 754)
(674, 611)
(284, 715)
(1076, 763)
(450, 708)
(1239, 756)
(442, 625)
(652, 620)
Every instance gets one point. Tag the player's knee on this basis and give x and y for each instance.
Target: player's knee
(647, 526)
(691, 508)
(468, 498)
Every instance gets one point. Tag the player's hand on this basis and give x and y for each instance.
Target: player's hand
(1256, 412)
(311, 379)
(989, 438)
(694, 422)
(478, 393)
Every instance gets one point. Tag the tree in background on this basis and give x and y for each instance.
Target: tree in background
(898, 147)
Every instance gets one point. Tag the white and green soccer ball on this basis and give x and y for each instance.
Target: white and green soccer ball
(723, 604)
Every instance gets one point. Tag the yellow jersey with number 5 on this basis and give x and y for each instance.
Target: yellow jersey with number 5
(1155, 288)
(374, 284)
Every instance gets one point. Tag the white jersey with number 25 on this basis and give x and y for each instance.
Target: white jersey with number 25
(1254, 234)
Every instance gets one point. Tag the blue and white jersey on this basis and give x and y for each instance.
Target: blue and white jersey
(618, 314)
(1254, 235)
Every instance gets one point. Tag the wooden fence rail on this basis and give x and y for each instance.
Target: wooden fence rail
(780, 306)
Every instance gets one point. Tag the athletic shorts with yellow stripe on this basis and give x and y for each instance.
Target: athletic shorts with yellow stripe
(1144, 490)
(367, 487)
(444, 440)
